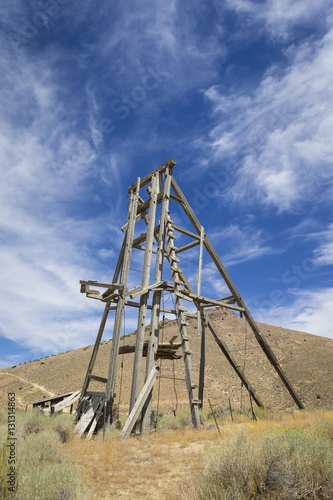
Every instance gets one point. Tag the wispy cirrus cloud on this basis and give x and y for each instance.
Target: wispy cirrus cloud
(282, 143)
(243, 244)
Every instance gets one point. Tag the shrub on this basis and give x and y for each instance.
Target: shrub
(283, 464)
(179, 422)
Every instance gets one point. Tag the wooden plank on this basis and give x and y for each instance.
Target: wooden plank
(138, 217)
(217, 261)
(145, 205)
(159, 170)
(144, 293)
(176, 198)
(199, 324)
(140, 239)
(202, 356)
(98, 378)
(187, 246)
(186, 231)
(137, 293)
(141, 247)
(95, 420)
(137, 408)
(67, 402)
(111, 286)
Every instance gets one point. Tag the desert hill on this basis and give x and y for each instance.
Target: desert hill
(306, 360)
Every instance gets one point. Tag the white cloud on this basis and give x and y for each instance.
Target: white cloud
(279, 17)
(311, 311)
(245, 244)
(283, 130)
(324, 253)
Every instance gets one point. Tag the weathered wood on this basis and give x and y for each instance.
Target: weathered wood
(144, 293)
(111, 286)
(96, 418)
(165, 350)
(140, 239)
(187, 246)
(87, 416)
(137, 305)
(211, 302)
(144, 394)
(66, 402)
(202, 356)
(199, 278)
(141, 247)
(159, 170)
(186, 231)
(97, 378)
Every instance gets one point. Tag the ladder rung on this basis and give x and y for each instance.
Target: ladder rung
(171, 235)
(179, 282)
(185, 323)
(194, 386)
(186, 337)
(175, 259)
(188, 352)
(196, 401)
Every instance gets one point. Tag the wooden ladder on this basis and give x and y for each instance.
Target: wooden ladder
(182, 324)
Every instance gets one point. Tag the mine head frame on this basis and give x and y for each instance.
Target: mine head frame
(162, 189)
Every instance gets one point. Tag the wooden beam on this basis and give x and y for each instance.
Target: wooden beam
(141, 247)
(185, 231)
(111, 286)
(98, 378)
(187, 246)
(211, 302)
(140, 239)
(144, 394)
(202, 356)
(176, 198)
(159, 170)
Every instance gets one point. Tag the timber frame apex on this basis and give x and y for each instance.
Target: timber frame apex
(96, 406)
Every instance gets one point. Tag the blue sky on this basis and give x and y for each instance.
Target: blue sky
(95, 94)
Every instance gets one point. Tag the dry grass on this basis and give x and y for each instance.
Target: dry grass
(168, 464)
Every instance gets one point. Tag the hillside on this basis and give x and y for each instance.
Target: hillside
(306, 360)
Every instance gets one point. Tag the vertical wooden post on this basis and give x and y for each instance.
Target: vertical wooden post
(132, 212)
(155, 313)
(202, 358)
(144, 298)
(199, 279)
